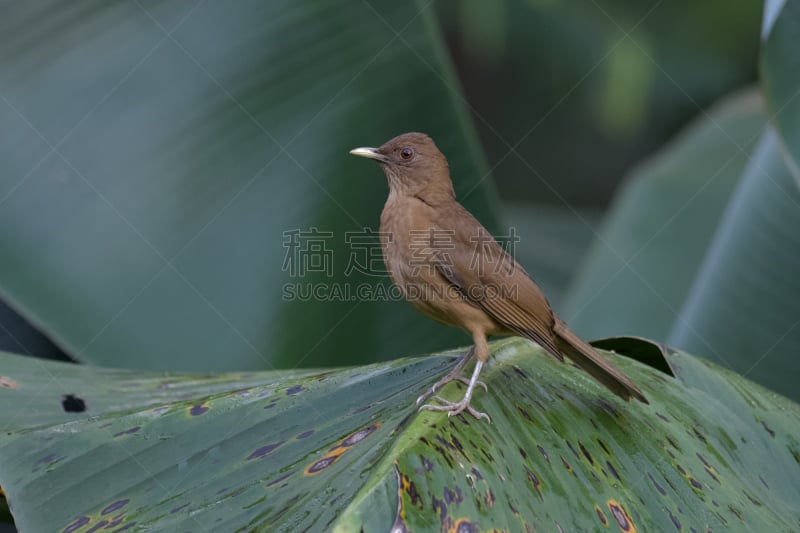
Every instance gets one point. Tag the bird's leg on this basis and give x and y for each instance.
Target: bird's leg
(454, 408)
(453, 375)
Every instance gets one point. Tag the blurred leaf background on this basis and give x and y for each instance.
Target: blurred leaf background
(155, 154)
(156, 158)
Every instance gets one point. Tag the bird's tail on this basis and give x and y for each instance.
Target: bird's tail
(595, 364)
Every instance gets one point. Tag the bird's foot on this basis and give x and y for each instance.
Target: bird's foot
(444, 381)
(454, 408)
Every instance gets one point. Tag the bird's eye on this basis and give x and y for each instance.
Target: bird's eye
(406, 153)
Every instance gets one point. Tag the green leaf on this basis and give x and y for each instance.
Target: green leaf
(158, 152)
(780, 76)
(631, 283)
(346, 450)
(744, 307)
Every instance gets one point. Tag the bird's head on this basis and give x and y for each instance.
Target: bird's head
(412, 164)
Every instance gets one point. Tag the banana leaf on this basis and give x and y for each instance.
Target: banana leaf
(91, 449)
(670, 206)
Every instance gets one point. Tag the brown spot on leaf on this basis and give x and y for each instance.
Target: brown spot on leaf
(572, 449)
(119, 504)
(699, 435)
(672, 443)
(607, 407)
(359, 435)
(291, 391)
(337, 451)
(601, 515)
(795, 454)
(408, 488)
(458, 446)
(77, 524)
(566, 464)
(544, 453)
(279, 479)
(603, 445)
(440, 510)
(463, 525)
(178, 508)
(130, 431)
(123, 528)
(534, 479)
(264, 450)
(621, 516)
(322, 464)
(198, 409)
(98, 526)
(7, 383)
(48, 459)
(753, 500)
(525, 414)
(451, 496)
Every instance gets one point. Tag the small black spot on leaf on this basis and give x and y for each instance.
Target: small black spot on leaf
(612, 470)
(73, 404)
(129, 431)
(603, 445)
(675, 520)
(544, 453)
(658, 487)
(586, 453)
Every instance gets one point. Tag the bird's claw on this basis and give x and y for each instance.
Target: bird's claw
(454, 408)
(442, 383)
(481, 383)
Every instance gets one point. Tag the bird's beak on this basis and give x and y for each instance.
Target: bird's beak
(369, 153)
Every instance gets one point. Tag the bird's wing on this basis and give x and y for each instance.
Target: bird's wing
(489, 278)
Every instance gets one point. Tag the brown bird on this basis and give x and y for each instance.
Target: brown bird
(448, 266)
